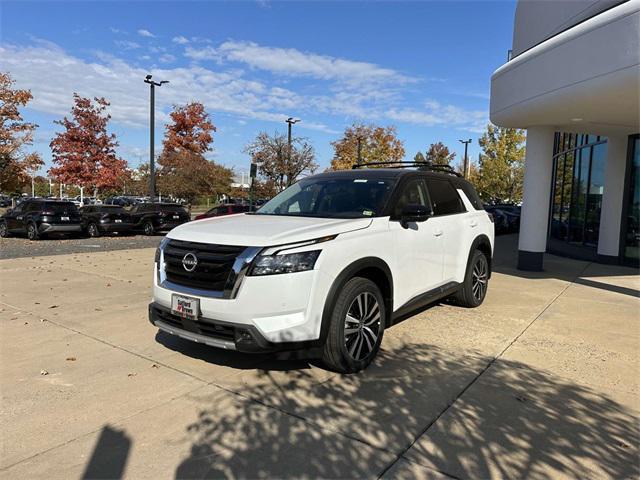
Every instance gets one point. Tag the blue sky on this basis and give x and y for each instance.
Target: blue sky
(421, 66)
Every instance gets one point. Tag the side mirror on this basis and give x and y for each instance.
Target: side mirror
(414, 212)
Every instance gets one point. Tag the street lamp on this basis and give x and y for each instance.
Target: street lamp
(152, 169)
(290, 121)
(465, 165)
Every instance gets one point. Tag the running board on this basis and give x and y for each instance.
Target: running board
(425, 299)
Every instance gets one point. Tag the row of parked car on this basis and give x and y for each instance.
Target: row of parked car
(506, 217)
(39, 217)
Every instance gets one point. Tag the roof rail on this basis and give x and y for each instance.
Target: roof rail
(429, 167)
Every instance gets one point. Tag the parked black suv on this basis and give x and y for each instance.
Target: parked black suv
(39, 217)
(100, 219)
(155, 217)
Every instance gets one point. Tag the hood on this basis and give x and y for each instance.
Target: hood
(263, 230)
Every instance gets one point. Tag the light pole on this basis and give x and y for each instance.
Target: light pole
(465, 165)
(152, 167)
(290, 121)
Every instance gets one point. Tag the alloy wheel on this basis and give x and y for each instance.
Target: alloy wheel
(93, 230)
(362, 326)
(3, 229)
(480, 278)
(148, 228)
(31, 232)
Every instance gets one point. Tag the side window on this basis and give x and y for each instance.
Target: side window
(31, 207)
(471, 194)
(444, 197)
(414, 192)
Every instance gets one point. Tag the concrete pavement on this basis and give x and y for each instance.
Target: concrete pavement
(540, 381)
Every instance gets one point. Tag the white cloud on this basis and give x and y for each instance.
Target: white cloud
(167, 58)
(127, 45)
(293, 62)
(145, 33)
(434, 113)
(225, 89)
(180, 40)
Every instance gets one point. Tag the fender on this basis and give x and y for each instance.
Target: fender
(478, 241)
(345, 275)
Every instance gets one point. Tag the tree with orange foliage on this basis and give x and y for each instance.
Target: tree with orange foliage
(377, 144)
(16, 166)
(84, 153)
(185, 172)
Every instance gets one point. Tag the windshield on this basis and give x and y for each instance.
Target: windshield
(331, 198)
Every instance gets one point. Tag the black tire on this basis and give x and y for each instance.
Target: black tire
(473, 290)
(32, 231)
(93, 230)
(351, 352)
(147, 228)
(4, 231)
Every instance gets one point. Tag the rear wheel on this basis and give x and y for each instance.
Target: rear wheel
(356, 327)
(4, 231)
(32, 231)
(148, 228)
(92, 230)
(476, 281)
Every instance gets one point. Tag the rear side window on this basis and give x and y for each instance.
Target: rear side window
(471, 194)
(60, 207)
(444, 197)
(172, 208)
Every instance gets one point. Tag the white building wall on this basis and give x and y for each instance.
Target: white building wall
(613, 196)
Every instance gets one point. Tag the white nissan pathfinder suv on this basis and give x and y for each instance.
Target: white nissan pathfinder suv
(326, 265)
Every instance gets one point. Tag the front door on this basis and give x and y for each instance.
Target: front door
(418, 247)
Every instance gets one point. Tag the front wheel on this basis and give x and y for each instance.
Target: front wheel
(148, 228)
(93, 230)
(32, 231)
(4, 231)
(356, 327)
(476, 281)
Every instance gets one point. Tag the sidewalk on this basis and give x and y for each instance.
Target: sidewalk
(540, 381)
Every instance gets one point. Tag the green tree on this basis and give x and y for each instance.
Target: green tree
(419, 157)
(377, 144)
(501, 165)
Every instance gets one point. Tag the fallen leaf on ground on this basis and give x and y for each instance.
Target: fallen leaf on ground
(131, 374)
(44, 372)
(71, 359)
(53, 306)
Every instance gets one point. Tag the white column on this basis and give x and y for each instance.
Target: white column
(535, 204)
(613, 197)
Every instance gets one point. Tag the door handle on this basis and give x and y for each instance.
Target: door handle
(437, 233)
(473, 223)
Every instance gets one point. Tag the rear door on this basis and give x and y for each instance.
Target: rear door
(449, 210)
(418, 246)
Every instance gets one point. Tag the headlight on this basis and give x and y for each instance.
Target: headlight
(286, 263)
(163, 243)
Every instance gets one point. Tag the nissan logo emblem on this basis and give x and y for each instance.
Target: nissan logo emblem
(190, 262)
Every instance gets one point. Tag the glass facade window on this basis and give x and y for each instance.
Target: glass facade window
(631, 220)
(578, 186)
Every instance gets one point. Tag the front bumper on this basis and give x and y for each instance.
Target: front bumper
(216, 333)
(58, 228)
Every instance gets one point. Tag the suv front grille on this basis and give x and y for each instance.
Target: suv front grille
(213, 268)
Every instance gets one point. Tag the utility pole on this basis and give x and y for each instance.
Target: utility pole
(465, 165)
(359, 150)
(33, 186)
(152, 101)
(290, 121)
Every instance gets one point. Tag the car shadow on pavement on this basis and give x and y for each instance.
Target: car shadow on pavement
(512, 422)
(228, 358)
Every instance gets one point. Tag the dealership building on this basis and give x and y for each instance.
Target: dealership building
(572, 80)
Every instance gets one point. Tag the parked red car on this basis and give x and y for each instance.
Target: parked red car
(221, 210)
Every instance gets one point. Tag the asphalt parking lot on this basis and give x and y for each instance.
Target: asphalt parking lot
(541, 381)
(17, 247)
